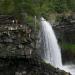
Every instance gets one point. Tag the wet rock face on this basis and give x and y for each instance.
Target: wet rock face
(16, 42)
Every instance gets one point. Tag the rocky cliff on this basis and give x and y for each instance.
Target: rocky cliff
(17, 52)
(16, 40)
(65, 31)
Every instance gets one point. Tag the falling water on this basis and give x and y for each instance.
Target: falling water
(51, 51)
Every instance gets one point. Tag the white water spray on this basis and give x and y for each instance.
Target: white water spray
(51, 51)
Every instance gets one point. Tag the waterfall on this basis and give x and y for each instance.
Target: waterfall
(51, 50)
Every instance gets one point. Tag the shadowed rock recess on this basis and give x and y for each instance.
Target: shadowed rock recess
(65, 32)
(17, 52)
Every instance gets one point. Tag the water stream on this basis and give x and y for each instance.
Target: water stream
(51, 52)
(51, 48)
(69, 68)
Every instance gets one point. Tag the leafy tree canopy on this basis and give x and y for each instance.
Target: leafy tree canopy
(35, 7)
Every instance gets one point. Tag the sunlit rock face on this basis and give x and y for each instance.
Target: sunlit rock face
(16, 40)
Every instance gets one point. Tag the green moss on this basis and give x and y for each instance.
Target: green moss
(69, 47)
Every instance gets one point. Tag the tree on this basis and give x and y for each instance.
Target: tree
(6, 6)
(60, 6)
(71, 5)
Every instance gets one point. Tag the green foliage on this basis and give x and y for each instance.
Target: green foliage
(60, 6)
(69, 47)
(6, 7)
(71, 4)
(35, 7)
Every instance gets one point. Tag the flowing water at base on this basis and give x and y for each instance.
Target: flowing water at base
(69, 68)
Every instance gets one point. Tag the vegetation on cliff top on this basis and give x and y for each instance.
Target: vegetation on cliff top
(25, 10)
(35, 7)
